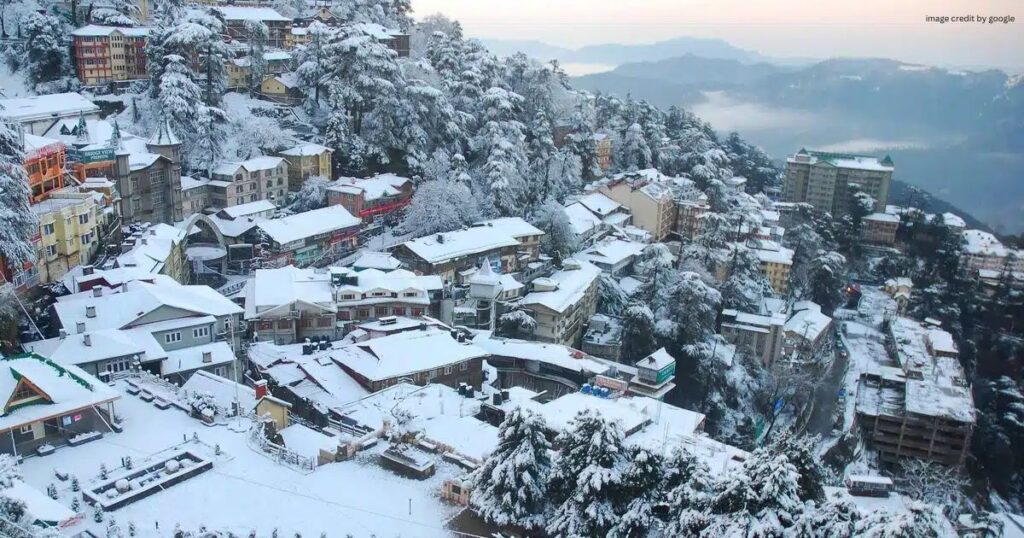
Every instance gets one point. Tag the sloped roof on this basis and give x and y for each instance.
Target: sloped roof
(309, 224)
(66, 388)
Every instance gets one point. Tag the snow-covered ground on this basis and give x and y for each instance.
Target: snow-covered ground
(246, 490)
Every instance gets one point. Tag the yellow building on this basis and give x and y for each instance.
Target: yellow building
(647, 195)
(68, 233)
(275, 63)
(297, 36)
(776, 263)
(281, 88)
(307, 160)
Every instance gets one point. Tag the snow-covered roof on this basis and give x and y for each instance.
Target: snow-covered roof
(373, 188)
(843, 160)
(95, 30)
(251, 208)
(73, 350)
(39, 107)
(893, 503)
(458, 243)
(953, 220)
(982, 243)
(513, 226)
(123, 307)
(612, 252)
(189, 182)
(64, 388)
(883, 217)
(599, 204)
(224, 391)
(571, 286)
(807, 321)
(377, 31)
(256, 163)
(942, 389)
(583, 222)
(152, 253)
(33, 142)
(38, 504)
(657, 360)
(288, 80)
(405, 353)
(306, 149)
(309, 224)
(307, 441)
(246, 13)
(772, 252)
(376, 260)
(192, 358)
(551, 354)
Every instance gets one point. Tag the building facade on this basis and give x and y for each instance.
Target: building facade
(371, 198)
(562, 304)
(307, 160)
(259, 178)
(68, 233)
(45, 161)
(150, 183)
(106, 54)
(826, 180)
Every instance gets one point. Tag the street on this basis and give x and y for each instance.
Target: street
(826, 395)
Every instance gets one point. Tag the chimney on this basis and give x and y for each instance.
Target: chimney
(90, 311)
(63, 334)
(87, 339)
(97, 291)
(207, 356)
(261, 389)
(80, 327)
(87, 270)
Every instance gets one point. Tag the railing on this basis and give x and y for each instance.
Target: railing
(277, 452)
(231, 288)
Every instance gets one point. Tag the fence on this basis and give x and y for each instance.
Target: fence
(277, 452)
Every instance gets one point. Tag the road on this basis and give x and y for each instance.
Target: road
(825, 396)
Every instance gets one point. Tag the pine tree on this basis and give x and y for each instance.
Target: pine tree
(558, 235)
(633, 153)
(43, 54)
(917, 521)
(586, 477)
(638, 336)
(441, 206)
(17, 223)
(642, 478)
(832, 519)
(511, 486)
(799, 451)
(256, 34)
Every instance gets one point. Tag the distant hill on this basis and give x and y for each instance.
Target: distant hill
(615, 54)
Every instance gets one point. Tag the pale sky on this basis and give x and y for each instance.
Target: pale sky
(804, 28)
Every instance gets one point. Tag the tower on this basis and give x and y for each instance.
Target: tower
(484, 288)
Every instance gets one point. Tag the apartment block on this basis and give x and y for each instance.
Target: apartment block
(649, 198)
(67, 233)
(825, 180)
(879, 228)
(371, 198)
(44, 162)
(259, 178)
(236, 18)
(105, 54)
(307, 160)
(150, 180)
(563, 303)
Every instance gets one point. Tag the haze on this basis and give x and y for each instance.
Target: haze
(781, 28)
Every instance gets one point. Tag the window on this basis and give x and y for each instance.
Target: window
(239, 200)
(24, 391)
(171, 338)
(252, 197)
(221, 371)
(87, 238)
(463, 366)
(48, 229)
(324, 321)
(238, 188)
(447, 370)
(26, 429)
(119, 365)
(270, 183)
(51, 251)
(200, 332)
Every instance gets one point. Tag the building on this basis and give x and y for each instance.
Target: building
(552, 369)
(371, 198)
(307, 238)
(983, 251)
(296, 37)
(109, 54)
(879, 228)
(47, 403)
(614, 257)
(259, 178)
(395, 40)
(759, 335)
(510, 243)
(149, 179)
(307, 160)
(275, 62)
(68, 233)
(195, 195)
(808, 333)
(776, 263)
(649, 197)
(900, 289)
(156, 249)
(655, 375)
(563, 303)
(236, 17)
(921, 407)
(603, 146)
(45, 160)
(825, 180)
(604, 337)
(288, 305)
(38, 113)
(284, 88)
(690, 216)
(162, 327)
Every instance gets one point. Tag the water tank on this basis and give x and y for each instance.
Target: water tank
(586, 389)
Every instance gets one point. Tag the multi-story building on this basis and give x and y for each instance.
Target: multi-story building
(808, 333)
(879, 228)
(236, 18)
(655, 375)
(307, 160)
(296, 37)
(563, 303)
(288, 304)
(371, 198)
(307, 238)
(921, 406)
(195, 195)
(649, 198)
(982, 251)
(38, 113)
(150, 181)
(614, 257)
(154, 249)
(511, 243)
(259, 178)
(759, 335)
(826, 180)
(276, 62)
(690, 217)
(395, 40)
(604, 337)
(67, 233)
(603, 146)
(776, 263)
(105, 54)
(44, 162)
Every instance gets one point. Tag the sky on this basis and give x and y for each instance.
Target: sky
(787, 28)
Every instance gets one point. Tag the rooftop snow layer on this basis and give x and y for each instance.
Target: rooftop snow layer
(309, 224)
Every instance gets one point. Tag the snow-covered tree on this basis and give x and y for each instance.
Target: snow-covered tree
(43, 54)
(499, 157)
(18, 224)
(517, 322)
(587, 477)
(312, 195)
(934, 484)
(559, 237)
(825, 280)
(256, 35)
(745, 285)
(800, 451)
(917, 521)
(638, 332)
(179, 96)
(562, 175)
(205, 149)
(611, 298)
(116, 13)
(633, 153)
(441, 206)
(642, 477)
(833, 519)
(510, 488)
(697, 308)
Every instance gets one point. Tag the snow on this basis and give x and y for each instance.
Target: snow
(657, 360)
(307, 149)
(67, 388)
(153, 248)
(377, 31)
(612, 252)
(308, 442)
(189, 182)
(123, 307)
(599, 204)
(982, 243)
(807, 321)
(254, 164)
(551, 354)
(868, 505)
(405, 354)
(883, 217)
(224, 391)
(583, 222)
(953, 220)
(772, 252)
(38, 504)
(376, 260)
(856, 162)
(263, 14)
(246, 490)
(40, 107)
(94, 30)
(458, 243)
(309, 224)
(251, 208)
(572, 285)
(191, 358)
(514, 226)
(373, 188)
(71, 349)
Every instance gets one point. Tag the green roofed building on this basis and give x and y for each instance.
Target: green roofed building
(826, 180)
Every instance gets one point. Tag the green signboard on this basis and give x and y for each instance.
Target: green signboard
(91, 155)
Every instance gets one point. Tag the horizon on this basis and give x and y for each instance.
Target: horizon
(788, 29)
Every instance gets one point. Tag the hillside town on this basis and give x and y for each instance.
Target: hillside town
(323, 269)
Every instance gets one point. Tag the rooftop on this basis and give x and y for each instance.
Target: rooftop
(93, 30)
(843, 160)
(306, 150)
(571, 286)
(263, 14)
(62, 388)
(40, 107)
(372, 188)
(309, 224)
(552, 354)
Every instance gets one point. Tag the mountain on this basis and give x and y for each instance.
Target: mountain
(615, 54)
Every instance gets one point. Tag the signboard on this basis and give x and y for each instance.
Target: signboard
(91, 155)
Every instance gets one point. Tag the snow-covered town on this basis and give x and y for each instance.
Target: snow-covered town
(334, 268)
